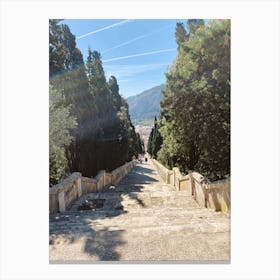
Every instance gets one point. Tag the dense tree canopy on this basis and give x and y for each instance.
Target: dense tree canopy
(195, 117)
(60, 124)
(92, 115)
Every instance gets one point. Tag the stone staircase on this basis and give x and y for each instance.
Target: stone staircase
(140, 219)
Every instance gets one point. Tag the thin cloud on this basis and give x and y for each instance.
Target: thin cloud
(139, 54)
(126, 43)
(135, 39)
(106, 28)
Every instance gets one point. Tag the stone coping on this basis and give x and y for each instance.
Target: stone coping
(86, 179)
(219, 185)
(67, 181)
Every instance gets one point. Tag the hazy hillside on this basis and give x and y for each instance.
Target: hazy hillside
(145, 106)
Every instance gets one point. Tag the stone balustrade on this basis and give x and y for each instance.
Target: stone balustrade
(214, 195)
(64, 194)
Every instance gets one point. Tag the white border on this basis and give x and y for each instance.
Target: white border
(24, 138)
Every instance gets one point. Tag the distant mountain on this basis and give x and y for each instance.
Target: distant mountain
(145, 106)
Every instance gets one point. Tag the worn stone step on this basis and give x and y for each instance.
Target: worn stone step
(141, 218)
(66, 216)
(119, 245)
(165, 218)
(124, 201)
(144, 231)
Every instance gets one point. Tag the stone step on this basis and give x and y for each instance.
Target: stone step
(101, 213)
(193, 220)
(78, 231)
(134, 187)
(122, 246)
(67, 217)
(139, 219)
(132, 200)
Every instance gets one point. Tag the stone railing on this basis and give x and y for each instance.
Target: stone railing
(214, 195)
(64, 194)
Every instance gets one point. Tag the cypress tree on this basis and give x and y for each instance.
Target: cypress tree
(196, 104)
(104, 137)
(155, 140)
(180, 34)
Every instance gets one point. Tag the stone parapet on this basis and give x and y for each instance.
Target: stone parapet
(64, 194)
(214, 195)
(218, 195)
(89, 185)
(163, 172)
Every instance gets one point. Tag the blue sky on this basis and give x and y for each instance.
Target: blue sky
(137, 52)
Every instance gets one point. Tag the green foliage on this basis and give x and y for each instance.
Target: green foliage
(170, 149)
(57, 51)
(95, 73)
(180, 34)
(104, 137)
(194, 24)
(59, 136)
(139, 145)
(196, 105)
(155, 140)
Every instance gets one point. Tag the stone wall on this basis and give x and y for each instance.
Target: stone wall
(163, 172)
(215, 195)
(62, 195)
(89, 185)
(218, 195)
(198, 186)
(119, 173)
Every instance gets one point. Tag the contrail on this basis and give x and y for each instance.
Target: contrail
(105, 28)
(135, 39)
(139, 54)
(127, 42)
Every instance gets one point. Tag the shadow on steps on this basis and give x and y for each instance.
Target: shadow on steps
(70, 227)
